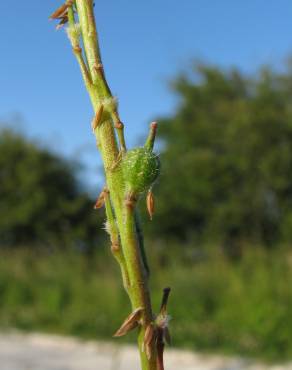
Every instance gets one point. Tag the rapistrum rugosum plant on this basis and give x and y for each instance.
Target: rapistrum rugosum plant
(129, 176)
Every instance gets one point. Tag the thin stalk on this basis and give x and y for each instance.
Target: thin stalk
(112, 229)
(140, 295)
(120, 209)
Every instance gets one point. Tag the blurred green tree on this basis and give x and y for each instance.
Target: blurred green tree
(41, 200)
(227, 155)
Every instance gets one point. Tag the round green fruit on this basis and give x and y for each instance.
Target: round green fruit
(141, 168)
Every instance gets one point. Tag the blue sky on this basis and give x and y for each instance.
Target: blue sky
(144, 44)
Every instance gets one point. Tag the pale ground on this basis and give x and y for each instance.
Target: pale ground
(47, 352)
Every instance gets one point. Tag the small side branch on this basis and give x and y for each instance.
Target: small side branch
(120, 207)
(83, 67)
(74, 33)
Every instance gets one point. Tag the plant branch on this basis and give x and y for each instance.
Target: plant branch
(122, 219)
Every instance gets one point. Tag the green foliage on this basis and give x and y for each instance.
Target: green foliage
(215, 304)
(40, 198)
(227, 154)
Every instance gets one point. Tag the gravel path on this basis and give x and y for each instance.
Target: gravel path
(47, 352)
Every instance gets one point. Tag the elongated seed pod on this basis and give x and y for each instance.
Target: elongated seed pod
(60, 12)
(150, 204)
(130, 323)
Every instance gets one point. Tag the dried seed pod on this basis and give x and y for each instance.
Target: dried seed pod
(149, 332)
(140, 168)
(163, 335)
(131, 322)
(99, 202)
(97, 118)
(101, 199)
(160, 349)
(149, 339)
(150, 204)
(60, 12)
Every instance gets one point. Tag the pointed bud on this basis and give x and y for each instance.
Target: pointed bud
(130, 323)
(99, 203)
(101, 199)
(97, 118)
(60, 12)
(149, 339)
(150, 204)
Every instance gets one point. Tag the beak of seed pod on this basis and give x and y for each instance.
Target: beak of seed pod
(151, 137)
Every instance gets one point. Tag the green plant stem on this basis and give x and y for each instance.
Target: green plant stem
(129, 257)
(138, 275)
(113, 231)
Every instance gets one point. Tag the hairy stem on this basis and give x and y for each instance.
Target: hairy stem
(112, 229)
(138, 278)
(121, 210)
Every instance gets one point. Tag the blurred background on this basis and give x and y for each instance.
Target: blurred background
(217, 76)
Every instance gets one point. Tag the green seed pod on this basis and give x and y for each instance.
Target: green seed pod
(140, 168)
